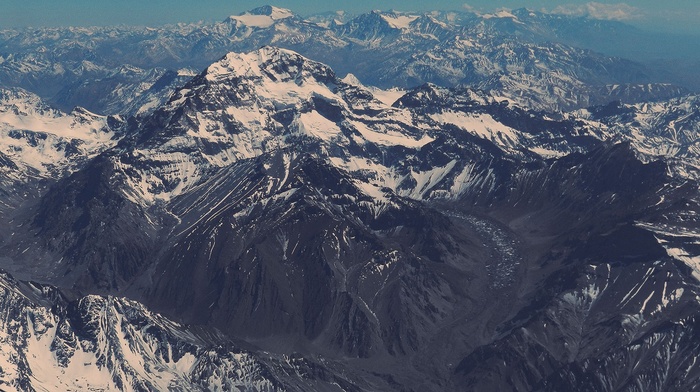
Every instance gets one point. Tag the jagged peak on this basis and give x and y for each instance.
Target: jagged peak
(265, 61)
(21, 101)
(17, 92)
(374, 16)
(268, 73)
(81, 111)
(389, 21)
(352, 80)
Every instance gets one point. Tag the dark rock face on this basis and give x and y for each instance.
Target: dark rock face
(105, 235)
(309, 265)
(316, 237)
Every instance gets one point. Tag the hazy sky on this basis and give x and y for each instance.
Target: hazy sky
(666, 15)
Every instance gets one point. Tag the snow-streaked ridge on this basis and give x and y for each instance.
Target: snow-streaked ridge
(46, 141)
(109, 343)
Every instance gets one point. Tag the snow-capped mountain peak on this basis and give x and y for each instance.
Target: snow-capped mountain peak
(250, 104)
(262, 17)
(268, 62)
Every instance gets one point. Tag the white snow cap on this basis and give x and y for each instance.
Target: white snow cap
(264, 16)
(239, 64)
(251, 64)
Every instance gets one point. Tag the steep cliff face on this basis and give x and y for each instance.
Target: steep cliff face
(109, 343)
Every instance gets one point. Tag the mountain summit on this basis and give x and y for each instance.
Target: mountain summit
(263, 17)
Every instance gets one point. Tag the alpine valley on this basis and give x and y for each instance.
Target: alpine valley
(440, 201)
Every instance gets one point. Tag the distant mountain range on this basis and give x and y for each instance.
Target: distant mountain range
(529, 57)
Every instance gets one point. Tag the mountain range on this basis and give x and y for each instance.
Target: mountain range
(490, 211)
(525, 56)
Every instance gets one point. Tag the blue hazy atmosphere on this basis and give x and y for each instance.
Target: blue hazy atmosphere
(677, 15)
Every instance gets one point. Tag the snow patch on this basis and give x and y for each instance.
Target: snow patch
(389, 137)
(399, 21)
(427, 180)
(388, 97)
(314, 124)
(692, 261)
(482, 125)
